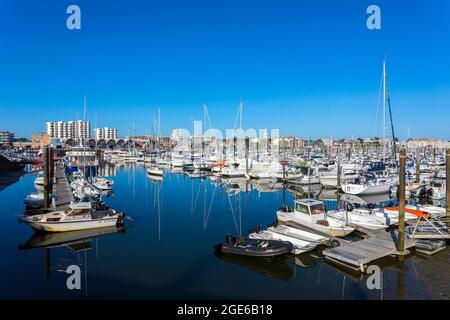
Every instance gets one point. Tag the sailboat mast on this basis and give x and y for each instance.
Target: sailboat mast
(384, 110)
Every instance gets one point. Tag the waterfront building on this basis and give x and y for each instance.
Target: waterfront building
(69, 130)
(105, 133)
(6, 137)
(40, 140)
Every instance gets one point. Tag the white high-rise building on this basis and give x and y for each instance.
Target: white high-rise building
(51, 129)
(105, 133)
(73, 129)
(83, 129)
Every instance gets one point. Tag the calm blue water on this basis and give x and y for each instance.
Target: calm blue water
(167, 250)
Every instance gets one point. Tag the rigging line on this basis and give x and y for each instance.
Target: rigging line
(392, 120)
(237, 117)
(232, 213)
(210, 206)
(198, 194)
(378, 106)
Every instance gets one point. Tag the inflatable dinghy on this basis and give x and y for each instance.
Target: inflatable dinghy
(254, 247)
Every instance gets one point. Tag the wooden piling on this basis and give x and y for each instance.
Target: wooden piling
(46, 178)
(418, 166)
(247, 144)
(447, 182)
(51, 169)
(401, 203)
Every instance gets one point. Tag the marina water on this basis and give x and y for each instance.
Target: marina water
(166, 250)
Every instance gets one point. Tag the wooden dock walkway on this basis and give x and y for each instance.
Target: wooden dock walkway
(61, 189)
(358, 254)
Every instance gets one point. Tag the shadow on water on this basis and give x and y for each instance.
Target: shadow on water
(73, 240)
(277, 268)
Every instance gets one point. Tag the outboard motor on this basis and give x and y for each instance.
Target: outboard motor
(257, 229)
(273, 224)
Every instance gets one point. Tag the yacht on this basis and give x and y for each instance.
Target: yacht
(357, 187)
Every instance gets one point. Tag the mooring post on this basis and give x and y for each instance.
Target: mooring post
(247, 143)
(401, 203)
(51, 169)
(447, 182)
(46, 178)
(418, 166)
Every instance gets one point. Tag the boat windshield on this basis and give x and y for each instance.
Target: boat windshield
(317, 209)
(78, 212)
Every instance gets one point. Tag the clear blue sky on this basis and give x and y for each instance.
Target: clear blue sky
(306, 67)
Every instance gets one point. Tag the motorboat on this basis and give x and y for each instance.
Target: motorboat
(232, 172)
(357, 187)
(300, 246)
(155, 171)
(254, 247)
(359, 218)
(102, 183)
(312, 214)
(330, 179)
(298, 233)
(78, 216)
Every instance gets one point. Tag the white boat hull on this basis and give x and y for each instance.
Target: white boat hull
(334, 231)
(71, 226)
(364, 189)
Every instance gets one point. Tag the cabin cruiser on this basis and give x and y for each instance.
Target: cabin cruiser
(78, 216)
(308, 176)
(358, 187)
(312, 214)
(233, 171)
(330, 179)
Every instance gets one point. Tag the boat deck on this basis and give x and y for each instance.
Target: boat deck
(358, 254)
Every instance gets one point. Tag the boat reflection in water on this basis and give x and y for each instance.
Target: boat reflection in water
(74, 240)
(367, 199)
(277, 268)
